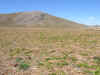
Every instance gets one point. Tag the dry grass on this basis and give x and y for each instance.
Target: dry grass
(43, 51)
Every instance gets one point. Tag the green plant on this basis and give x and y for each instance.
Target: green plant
(85, 65)
(48, 65)
(53, 74)
(74, 59)
(18, 59)
(97, 71)
(64, 63)
(88, 71)
(53, 58)
(58, 73)
(40, 63)
(24, 66)
(56, 58)
(97, 60)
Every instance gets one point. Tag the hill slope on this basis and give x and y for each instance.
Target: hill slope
(35, 19)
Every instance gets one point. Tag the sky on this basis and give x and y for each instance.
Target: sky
(81, 11)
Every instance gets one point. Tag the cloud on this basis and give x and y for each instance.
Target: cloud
(47, 8)
(91, 18)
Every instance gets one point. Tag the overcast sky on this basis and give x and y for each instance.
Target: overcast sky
(82, 11)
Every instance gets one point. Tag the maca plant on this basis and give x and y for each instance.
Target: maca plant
(18, 59)
(23, 57)
(97, 60)
(51, 62)
(22, 65)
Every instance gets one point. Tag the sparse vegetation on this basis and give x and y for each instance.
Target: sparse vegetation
(48, 51)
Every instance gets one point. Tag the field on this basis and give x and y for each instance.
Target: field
(45, 51)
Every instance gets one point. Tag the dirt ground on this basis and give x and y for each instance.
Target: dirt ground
(45, 51)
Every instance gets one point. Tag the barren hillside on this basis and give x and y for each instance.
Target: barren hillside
(35, 19)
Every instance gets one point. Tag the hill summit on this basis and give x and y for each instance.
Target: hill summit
(35, 19)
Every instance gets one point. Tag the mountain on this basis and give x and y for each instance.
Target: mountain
(35, 19)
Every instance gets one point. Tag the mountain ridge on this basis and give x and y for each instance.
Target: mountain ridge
(35, 19)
